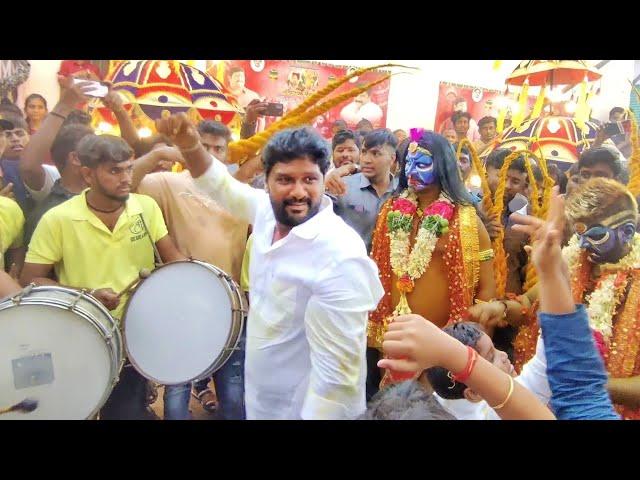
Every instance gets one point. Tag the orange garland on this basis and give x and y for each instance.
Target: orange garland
(622, 359)
(454, 259)
(525, 341)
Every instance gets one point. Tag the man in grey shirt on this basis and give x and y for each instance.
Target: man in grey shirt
(362, 194)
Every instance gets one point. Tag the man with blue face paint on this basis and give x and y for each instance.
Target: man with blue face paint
(604, 268)
(433, 252)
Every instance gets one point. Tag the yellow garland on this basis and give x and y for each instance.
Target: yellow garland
(522, 103)
(487, 201)
(634, 160)
(540, 211)
(539, 105)
(242, 150)
(320, 94)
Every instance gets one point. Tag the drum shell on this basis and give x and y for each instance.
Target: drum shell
(56, 300)
(237, 301)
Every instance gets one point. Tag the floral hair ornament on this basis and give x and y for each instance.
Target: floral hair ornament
(416, 134)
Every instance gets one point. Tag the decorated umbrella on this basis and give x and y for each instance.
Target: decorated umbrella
(552, 72)
(546, 74)
(150, 86)
(555, 138)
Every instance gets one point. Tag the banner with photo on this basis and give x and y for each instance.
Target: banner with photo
(290, 82)
(479, 102)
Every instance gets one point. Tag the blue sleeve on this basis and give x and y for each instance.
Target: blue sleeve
(575, 370)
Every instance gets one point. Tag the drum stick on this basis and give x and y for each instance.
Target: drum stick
(25, 406)
(144, 273)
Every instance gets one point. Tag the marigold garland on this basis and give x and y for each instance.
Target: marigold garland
(618, 340)
(634, 160)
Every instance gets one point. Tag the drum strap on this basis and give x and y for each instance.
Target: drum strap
(156, 254)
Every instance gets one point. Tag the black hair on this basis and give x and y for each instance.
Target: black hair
(445, 163)
(496, 160)
(364, 123)
(615, 110)
(7, 106)
(487, 119)
(77, 117)
(340, 124)
(293, 143)
(458, 115)
(18, 121)
(559, 177)
(590, 157)
(380, 136)
(405, 401)
(217, 129)
(467, 333)
(67, 141)
(344, 135)
(96, 149)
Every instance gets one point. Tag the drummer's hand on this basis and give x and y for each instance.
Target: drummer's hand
(107, 297)
(179, 129)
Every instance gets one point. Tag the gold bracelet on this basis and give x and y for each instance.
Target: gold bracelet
(498, 407)
(485, 255)
(190, 149)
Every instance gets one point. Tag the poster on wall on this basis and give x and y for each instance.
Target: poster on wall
(479, 102)
(290, 82)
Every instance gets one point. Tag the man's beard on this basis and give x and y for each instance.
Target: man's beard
(112, 196)
(282, 217)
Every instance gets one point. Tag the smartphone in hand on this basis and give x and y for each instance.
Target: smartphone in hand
(99, 89)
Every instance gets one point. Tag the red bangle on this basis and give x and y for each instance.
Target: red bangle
(472, 357)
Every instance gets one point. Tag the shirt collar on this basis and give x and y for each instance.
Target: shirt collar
(365, 183)
(59, 190)
(83, 212)
(312, 227)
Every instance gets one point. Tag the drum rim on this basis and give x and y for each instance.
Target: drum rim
(238, 306)
(113, 339)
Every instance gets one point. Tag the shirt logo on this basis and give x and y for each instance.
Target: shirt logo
(137, 228)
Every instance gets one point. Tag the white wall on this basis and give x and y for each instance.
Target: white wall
(43, 80)
(413, 96)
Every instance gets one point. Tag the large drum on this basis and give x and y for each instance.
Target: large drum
(58, 346)
(183, 322)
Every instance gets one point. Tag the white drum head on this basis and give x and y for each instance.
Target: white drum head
(54, 356)
(177, 323)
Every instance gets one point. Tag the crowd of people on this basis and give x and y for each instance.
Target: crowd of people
(367, 262)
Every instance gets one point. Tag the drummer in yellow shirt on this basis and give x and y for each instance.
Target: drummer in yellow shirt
(99, 241)
(11, 235)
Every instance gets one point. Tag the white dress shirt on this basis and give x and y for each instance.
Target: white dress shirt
(533, 378)
(310, 292)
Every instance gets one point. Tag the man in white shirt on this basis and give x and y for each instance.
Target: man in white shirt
(312, 283)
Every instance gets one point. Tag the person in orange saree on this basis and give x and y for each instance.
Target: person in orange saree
(433, 252)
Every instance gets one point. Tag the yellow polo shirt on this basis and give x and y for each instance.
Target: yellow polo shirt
(85, 254)
(11, 227)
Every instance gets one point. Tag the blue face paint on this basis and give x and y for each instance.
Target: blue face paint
(420, 170)
(605, 244)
